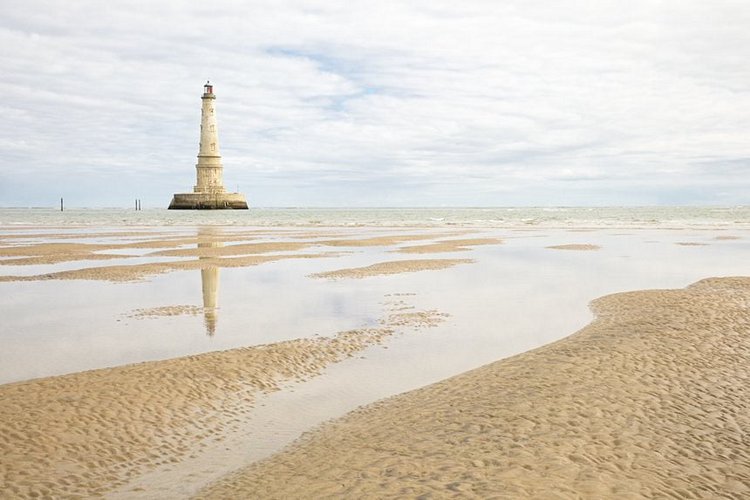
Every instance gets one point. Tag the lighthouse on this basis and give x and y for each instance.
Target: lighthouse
(208, 192)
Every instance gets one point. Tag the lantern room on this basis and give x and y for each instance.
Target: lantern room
(208, 88)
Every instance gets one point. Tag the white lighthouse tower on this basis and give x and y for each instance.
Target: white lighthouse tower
(208, 192)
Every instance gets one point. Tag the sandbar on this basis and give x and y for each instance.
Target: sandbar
(450, 245)
(87, 433)
(137, 272)
(650, 400)
(392, 267)
(378, 241)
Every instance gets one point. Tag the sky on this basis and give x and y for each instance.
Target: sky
(378, 103)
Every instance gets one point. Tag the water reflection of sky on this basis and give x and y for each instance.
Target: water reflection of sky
(517, 296)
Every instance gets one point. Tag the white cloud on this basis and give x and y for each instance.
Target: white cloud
(417, 103)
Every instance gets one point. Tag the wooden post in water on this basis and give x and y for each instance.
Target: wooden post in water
(62, 207)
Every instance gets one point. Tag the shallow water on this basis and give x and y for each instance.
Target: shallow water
(516, 296)
(55, 327)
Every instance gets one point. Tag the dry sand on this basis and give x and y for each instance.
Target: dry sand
(79, 251)
(240, 249)
(382, 241)
(58, 258)
(651, 400)
(84, 434)
(450, 245)
(57, 249)
(208, 245)
(392, 267)
(137, 272)
(11, 234)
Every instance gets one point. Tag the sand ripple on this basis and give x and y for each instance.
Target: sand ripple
(83, 434)
(651, 400)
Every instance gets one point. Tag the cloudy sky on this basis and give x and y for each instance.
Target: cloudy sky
(382, 103)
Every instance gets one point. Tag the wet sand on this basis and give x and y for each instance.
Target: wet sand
(575, 246)
(450, 245)
(134, 272)
(86, 433)
(392, 267)
(650, 400)
(230, 255)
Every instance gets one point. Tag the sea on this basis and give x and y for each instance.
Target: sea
(504, 217)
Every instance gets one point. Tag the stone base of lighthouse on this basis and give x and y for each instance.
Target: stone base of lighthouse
(208, 201)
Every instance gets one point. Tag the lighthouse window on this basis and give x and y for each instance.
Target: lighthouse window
(213, 146)
(212, 110)
(213, 127)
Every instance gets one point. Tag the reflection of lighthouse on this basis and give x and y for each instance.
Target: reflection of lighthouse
(209, 282)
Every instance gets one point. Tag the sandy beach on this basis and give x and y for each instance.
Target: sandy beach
(648, 400)
(86, 433)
